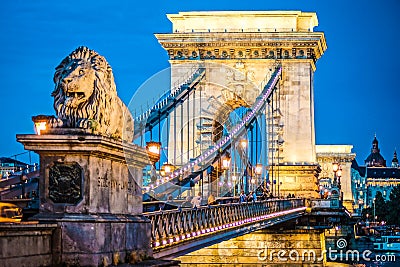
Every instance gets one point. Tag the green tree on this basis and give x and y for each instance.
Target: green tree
(393, 215)
(367, 214)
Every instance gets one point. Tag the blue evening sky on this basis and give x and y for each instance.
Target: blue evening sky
(356, 82)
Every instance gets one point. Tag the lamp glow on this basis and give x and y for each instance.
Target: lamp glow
(335, 167)
(40, 123)
(243, 143)
(258, 169)
(40, 126)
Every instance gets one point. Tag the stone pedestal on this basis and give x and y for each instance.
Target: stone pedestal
(90, 185)
(300, 180)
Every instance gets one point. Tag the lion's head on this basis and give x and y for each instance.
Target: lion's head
(85, 94)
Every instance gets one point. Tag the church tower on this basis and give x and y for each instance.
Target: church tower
(395, 161)
(375, 159)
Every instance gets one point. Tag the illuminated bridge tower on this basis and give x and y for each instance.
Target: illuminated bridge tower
(251, 43)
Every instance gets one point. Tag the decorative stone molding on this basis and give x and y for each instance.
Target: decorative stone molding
(210, 46)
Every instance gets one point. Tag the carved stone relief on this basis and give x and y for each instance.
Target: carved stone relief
(65, 183)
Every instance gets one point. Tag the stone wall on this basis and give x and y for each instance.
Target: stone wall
(27, 245)
(263, 248)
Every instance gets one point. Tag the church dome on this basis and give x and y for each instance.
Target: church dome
(375, 159)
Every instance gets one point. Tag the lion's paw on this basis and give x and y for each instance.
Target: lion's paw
(87, 124)
(55, 122)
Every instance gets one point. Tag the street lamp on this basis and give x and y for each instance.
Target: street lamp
(258, 171)
(258, 168)
(234, 184)
(226, 162)
(339, 174)
(244, 179)
(374, 209)
(253, 181)
(24, 179)
(336, 171)
(40, 123)
(167, 169)
(154, 152)
(243, 143)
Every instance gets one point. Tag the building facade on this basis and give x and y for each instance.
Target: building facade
(374, 177)
(341, 156)
(9, 166)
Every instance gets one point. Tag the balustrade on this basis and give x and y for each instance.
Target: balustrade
(173, 226)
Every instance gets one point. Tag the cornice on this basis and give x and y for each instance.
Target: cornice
(335, 157)
(225, 45)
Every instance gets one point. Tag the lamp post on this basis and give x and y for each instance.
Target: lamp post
(226, 162)
(23, 178)
(154, 152)
(253, 181)
(258, 170)
(374, 208)
(335, 168)
(243, 144)
(234, 184)
(339, 175)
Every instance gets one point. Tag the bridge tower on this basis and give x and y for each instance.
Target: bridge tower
(251, 43)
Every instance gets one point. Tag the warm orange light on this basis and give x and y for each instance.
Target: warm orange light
(234, 178)
(153, 151)
(167, 169)
(243, 143)
(226, 163)
(40, 126)
(258, 169)
(40, 123)
(335, 167)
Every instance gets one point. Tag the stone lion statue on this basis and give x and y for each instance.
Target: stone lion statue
(85, 96)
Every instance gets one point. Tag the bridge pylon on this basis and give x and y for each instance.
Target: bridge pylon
(240, 49)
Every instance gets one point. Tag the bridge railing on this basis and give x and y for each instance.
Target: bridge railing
(173, 226)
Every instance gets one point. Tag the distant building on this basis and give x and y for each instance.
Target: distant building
(9, 166)
(341, 155)
(375, 159)
(374, 177)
